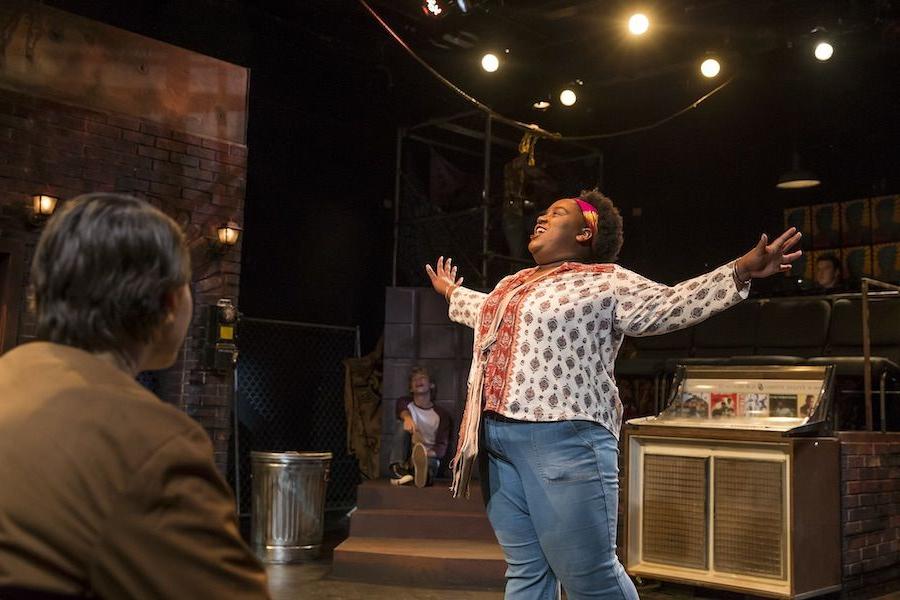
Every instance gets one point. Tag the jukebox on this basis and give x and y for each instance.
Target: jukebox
(736, 483)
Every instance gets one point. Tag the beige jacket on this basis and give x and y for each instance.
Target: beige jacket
(104, 489)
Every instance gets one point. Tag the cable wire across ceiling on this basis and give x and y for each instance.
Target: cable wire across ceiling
(532, 128)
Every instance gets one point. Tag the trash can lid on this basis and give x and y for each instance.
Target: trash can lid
(290, 457)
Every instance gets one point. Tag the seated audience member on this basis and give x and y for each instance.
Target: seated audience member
(418, 447)
(828, 274)
(105, 491)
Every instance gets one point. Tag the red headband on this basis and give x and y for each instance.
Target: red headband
(589, 211)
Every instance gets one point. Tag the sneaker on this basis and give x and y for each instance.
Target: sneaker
(420, 464)
(398, 471)
(404, 480)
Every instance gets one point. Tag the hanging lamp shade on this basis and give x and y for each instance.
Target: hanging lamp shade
(797, 178)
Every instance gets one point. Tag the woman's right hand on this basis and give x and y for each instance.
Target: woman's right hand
(443, 276)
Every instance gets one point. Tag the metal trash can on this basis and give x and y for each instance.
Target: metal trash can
(288, 504)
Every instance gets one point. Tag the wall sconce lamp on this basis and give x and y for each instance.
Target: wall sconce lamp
(42, 208)
(227, 235)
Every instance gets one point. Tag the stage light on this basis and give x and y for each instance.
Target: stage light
(823, 51)
(541, 105)
(432, 8)
(710, 68)
(490, 62)
(638, 24)
(567, 97)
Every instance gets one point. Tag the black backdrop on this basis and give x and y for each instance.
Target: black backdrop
(328, 90)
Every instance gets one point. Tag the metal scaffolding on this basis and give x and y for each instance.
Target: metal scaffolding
(469, 135)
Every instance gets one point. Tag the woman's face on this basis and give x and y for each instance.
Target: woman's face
(560, 234)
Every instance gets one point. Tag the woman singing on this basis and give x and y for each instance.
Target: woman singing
(546, 340)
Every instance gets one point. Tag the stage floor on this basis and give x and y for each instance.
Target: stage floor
(311, 581)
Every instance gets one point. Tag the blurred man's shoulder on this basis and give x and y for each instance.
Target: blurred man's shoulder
(69, 392)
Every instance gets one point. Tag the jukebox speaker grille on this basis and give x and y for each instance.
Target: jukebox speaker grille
(675, 520)
(748, 528)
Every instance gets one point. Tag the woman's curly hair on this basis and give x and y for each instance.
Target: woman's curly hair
(608, 241)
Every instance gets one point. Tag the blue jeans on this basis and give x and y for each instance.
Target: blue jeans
(552, 492)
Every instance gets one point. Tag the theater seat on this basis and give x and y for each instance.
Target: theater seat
(853, 366)
(794, 327)
(767, 359)
(672, 363)
(638, 367)
(740, 360)
(650, 353)
(664, 346)
(729, 333)
(845, 336)
(649, 356)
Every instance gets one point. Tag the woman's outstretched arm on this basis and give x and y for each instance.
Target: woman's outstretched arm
(644, 307)
(465, 304)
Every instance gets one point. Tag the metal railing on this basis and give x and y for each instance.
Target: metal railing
(867, 355)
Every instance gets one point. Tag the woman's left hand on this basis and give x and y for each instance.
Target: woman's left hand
(767, 259)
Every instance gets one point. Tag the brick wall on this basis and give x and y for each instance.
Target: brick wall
(870, 506)
(64, 150)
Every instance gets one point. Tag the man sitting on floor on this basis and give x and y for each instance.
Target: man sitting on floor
(421, 443)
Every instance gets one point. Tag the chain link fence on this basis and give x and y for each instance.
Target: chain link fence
(290, 396)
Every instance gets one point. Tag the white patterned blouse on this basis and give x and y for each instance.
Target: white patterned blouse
(557, 343)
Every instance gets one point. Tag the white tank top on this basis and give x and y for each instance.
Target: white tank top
(427, 421)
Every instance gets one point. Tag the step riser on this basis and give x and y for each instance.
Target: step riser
(418, 571)
(415, 525)
(395, 526)
(412, 498)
